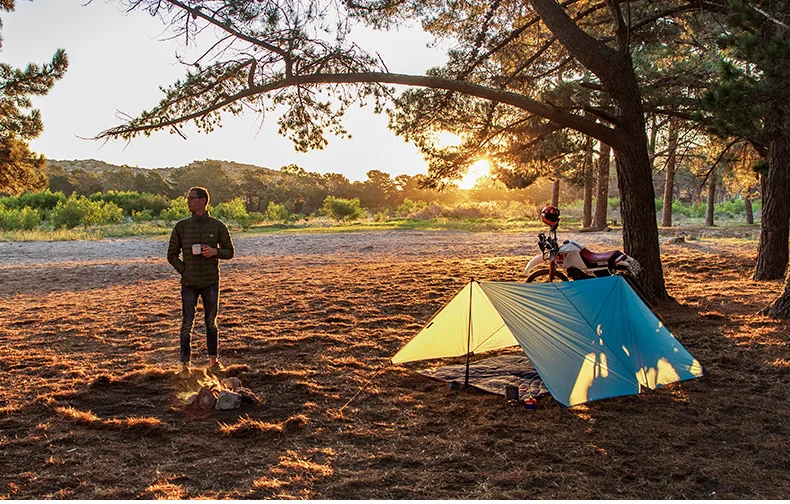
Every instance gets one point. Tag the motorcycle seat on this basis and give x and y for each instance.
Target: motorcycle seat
(602, 257)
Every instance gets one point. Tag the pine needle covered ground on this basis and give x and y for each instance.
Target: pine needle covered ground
(89, 349)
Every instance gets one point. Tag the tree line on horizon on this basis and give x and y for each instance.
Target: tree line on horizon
(299, 192)
(302, 192)
(247, 195)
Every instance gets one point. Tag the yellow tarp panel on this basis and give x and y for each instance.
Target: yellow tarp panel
(447, 333)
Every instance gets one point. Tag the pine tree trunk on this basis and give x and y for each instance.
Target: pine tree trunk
(651, 145)
(772, 252)
(637, 207)
(555, 193)
(671, 168)
(588, 184)
(602, 188)
(747, 205)
(780, 309)
(696, 193)
(711, 198)
(587, 208)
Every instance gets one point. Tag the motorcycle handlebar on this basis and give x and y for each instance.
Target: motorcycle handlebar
(548, 246)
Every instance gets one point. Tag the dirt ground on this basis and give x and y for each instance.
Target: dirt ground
(88, 335)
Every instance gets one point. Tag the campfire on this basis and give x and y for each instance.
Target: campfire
(199, 394)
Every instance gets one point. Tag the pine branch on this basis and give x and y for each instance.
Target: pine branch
(602, 133)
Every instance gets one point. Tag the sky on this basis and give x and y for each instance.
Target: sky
(117, 62)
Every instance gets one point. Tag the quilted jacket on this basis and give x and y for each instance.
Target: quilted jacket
(197, 271)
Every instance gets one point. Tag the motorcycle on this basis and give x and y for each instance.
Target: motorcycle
(578, 262)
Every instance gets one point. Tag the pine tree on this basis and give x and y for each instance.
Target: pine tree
(21, 169)
(752, 100)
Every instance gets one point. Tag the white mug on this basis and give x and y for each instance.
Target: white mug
(197, 249)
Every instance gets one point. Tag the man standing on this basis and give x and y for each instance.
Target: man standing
(202, 241)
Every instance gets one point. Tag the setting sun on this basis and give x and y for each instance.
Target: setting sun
(478, 170)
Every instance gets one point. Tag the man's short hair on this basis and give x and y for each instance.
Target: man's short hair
(202, 192)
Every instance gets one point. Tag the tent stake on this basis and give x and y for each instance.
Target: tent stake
(468, 334)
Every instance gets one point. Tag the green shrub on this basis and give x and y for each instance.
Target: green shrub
(276, 212)
(29, 218)
(464, 211)
(16, 219)
(43, 200)
(70, 214)
(256, 218)
(694, 211)
(132, 201)
(432, 211)
(381, 217)
(679, 209)
(468, 210)
(233, 210)
(142, 215)
(613, 203)
(341, 208)
(177, 210)
(732, 207)
(575, 204)
(409, 207)
(80, 211)
(516, 209)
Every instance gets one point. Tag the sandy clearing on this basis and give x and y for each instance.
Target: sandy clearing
(43, 267)
(394, 242)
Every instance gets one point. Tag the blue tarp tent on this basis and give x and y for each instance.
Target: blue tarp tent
(588, 340)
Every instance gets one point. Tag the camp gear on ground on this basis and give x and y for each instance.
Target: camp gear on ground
(511, 392)
(530, 404)
(493, 374)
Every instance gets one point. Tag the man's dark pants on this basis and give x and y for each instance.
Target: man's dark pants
(189, 298)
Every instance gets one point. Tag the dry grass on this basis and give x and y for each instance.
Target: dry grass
(246, 426)
(86, 374)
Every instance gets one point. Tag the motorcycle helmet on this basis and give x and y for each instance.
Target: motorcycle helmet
(550, 215)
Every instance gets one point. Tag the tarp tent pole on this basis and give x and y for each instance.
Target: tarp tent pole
(468, 333)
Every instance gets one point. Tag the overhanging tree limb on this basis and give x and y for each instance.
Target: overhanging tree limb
(598, 131)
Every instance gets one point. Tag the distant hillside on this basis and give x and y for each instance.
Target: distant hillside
(232, 168)
(88, 165)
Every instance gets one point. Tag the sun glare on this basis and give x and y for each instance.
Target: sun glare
(477, 171)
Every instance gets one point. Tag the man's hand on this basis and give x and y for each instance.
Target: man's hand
(208, 251)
